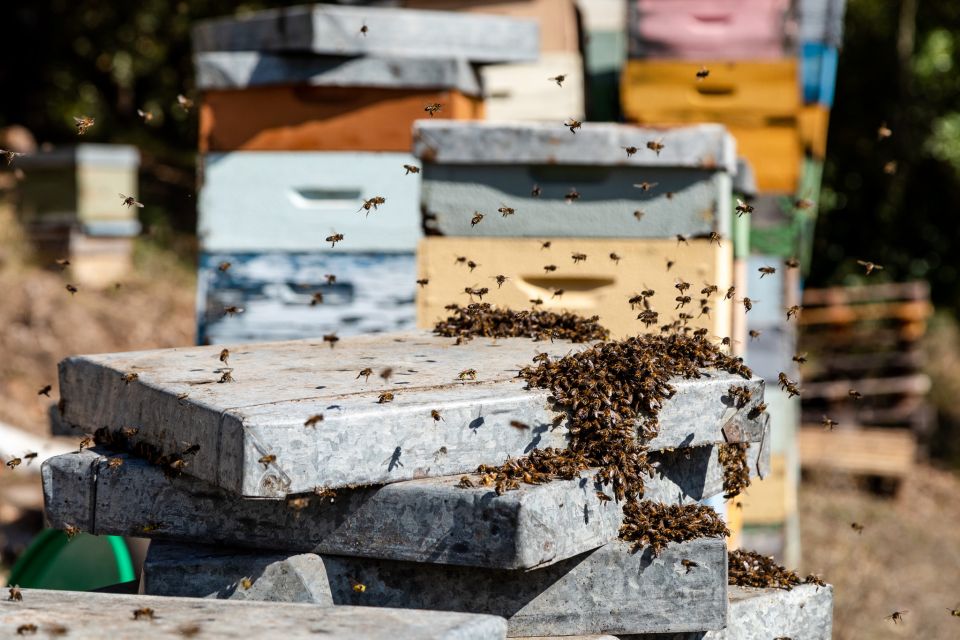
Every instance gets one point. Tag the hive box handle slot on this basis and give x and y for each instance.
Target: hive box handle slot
(318, 198)
(578, 292)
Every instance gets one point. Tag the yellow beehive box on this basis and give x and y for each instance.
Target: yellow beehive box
(775, 152)
(597, 285)
(770, 501)
(814, 121)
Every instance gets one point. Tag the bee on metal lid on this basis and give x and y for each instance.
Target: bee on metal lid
(897, 616)
(15, 594)
(572, 124)
(794, 311)
(423, 282)
(71, 288)
(630, 150)
(856, 526)
(332, 338)
(702, 73)
(226, 376)
(364, 29)
(545, 244)
(602, 497)
(223, 266)
(578, 257)
(334, 239)
(655, 145)
(433, 109)
(298, 504)
(558, 79)
(86, 442)
(366, 373)
(828, 424)
(646, 186)
(616, 258)
(870, 267)
(689, 564)
(313, 420)
(743, 207)
(549, 267)
(184, 102)
(225, 356)
(129, 377)
(506, 211)
(475, 220)
(572, 196)
(9, 155)
(467, 374)
(436, 416)
(473, 265)
(143, 613)
(146, 116)
(45, 391)
(27, 629)
(83, 123)
(330, 278)
(316, 298)
(883, 131)
(267, 459)
(115, 463)
(766, 271)
(232, 309)
(791, 263)
(385, 397)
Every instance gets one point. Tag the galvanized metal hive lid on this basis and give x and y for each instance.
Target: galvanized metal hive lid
(336, 30)
(704, 146)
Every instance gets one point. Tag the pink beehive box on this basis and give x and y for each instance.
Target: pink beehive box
(711, 29)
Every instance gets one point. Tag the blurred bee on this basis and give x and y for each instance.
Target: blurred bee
(870, 267)
(630, 150)
(883, 131)
(225, 356)
(545, 244)
(83, 123)
(536, 191)
(184, 102)
(232, 309)
(330, 278)
(246, 583)
(475, 220)
(130, 201)
(709, 289)
(646, 186)
(791, 263)
(364, 29)
(536, 302)
(800, 358)
(423, 282)
(558, 79)
(473, 265)
(267, 459)
(223, 266)
(45, 391)
(316, 298)
(14, 462)
(689, 564)
(465, 482)
(856, 526)
(366, 373)
(897, 616)
(467, 374)
(63, 263)
(460, 260)
(793, 311)
(714, 237)
(146, 116)
(754, 334)
(890, 168)
(182, 396)
(324, 493)
(386, 373)
(500, 280)
(681, 285)
(385, 397)
(578, 257)
(226, 376)
(572, 196)
(115, 463)
(638, 214)
(27, 629)
(743, 207)
(433, 109)
(548, 268)
(616, 258)
(86, 442)
(129, 377)
(516, 424)
(572, 124)
(853, 393)
(9, 155)
(71, 531)
(655, 145)
(313, 420)
(670, 263)
(298, 504)
(29, 457)
(766, 271)
(603, 498)
(506, 211)
(332, 338)
(682, 239)
(143, 613)
(557, 293)
(71, 288)
(702, 73)
(828, 424)
(359, 587)
(334, 239)
(954, 612)
(15, 595)
(803, 203)
(435, 415)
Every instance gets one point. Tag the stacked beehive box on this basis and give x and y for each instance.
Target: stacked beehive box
(71, 206)
(305, 114)
(249, 495)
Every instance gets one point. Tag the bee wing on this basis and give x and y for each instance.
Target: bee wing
(122, 196)
(861, 263)
(139, 204)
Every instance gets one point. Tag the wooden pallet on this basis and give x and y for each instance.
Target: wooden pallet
(862, 451)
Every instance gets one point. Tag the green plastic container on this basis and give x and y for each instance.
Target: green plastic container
(84, 563)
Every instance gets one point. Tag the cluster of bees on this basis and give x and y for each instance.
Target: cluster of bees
(751, 569)
(124, 439)
(654, 524)
(736, 468)
(483, 320)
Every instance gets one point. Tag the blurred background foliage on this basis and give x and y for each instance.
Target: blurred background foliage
(900, 65)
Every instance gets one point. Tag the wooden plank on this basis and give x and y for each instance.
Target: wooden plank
(917, 290)
(916, 384)
(847, 314)
(884, 452)
(93, 616)
(251, 434)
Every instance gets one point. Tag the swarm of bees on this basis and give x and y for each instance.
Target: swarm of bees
(654, 524)
(483, 320)
(751, 569)
(736, 468)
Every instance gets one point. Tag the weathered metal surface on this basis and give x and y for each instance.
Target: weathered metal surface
(701, 146)
(374, 293)
(253, 441)
(804, 613)
(609, 590)
(242, 69)
(263, 201)
(430, 520)
(98, 615)
(333, 30)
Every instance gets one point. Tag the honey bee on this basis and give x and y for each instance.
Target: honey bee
(766, 271)
(224, 266)
(63, 263)
(558, 79)
(670, 264)
(616, 258)
(115, 463)
(15, 594)
(332, 338)
(897, 616)
(334, 239)
(465, 482)
(828, 424)
(883, 131)
(433, 108)
(313, 420)
(548, 268)
(226, 376)
(506, 211)
(27, 629)
(793, 311)
(359, 587)
(232, 310)
(791, 263)
(83, 123)
(245, 583)
(500, 280)
(71, 531)
(316, 298)
(800, 358)
(572, 196)
(330, 278)
(743, 207)
(435, 415)
(870, 267)
(557, 293)
(423, 282)
(182, 396)
(856, 526)
(689, 564)
(578, 257)
(536, 301)
(638, 214)
(267, 459)
(366, 373)
(536, 191)
(411, 169)
(516, 424)
(184, 102)
(572, 124)
(9, 155)
(14, 462)
(702, 73)
(385, 397)
(129, 377)
(954, 612)
(655, 145)
(630, 150)
(803, 203)
(473, 265)
(386, 373)
(646, 186)
(853, 393)
(71, 288)
(890, 168)
(714, 236)
(86, 442)
(325, 493)
(475, 220)
(143, 613)
(467, 374)
(30, 456)
(603, 498)
(225, 356)
(545, 244)
(146, 116)
(45, 391)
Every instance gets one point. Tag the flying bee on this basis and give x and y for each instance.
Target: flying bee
(435, 415)
(572, 196)
(766, 271)
(578, 257)
(313, 420)
(743, 207)
(670, 263)
(853, 393)
(63, 263)
(897, 616)
(702, 73)
(681, 285)
(14, 462)
(791, 263)
(638, 214)
(184, 102)
(536, 301)
(364, 29)
(616, 258)
(646, 186)
(709, 289)
(366, 373)
(473, 265)
(536, 191)
(71, 288)
(423, 282)
(828, 424)
(803, 203)
(467, 374)
(83, 123)
(9, 156)
(856, 526)
(557, 293)
(411, 169)
(648, 317)
(316, 298)
(232, 309)
(545, 244)
(506, 211)
(548, 268)
(146, 116)
(800, 358)
(630, 150)
(682, 301)
(15, 595)
(793, 311)
(385, 397)
(890, 168)
(330, 278)
(883, 131)
(460, 260)
(115, 463)
(870, 266)
(714, 237)
(29, 457)
(334, 239)
(433, 108)
(655, 145)
(27, 629)
(332, 338)
(45, 391)
(143, 613)
(71, 531)
(500, 280)
(516, 424)
(223, 266)
(86, 442)
(386, 373)
(226, 376)
(689, 564)
(225, 356)
(558, 79)
(267, 459)
(245, 583)
(572, 124)
(475, 220)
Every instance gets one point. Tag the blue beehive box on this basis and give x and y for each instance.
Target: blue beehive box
(818, 72)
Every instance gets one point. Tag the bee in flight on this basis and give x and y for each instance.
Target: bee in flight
(572, 124)
(130, 201)
(433, 109)
(83, 123)
(655, 145)
(558, 79)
